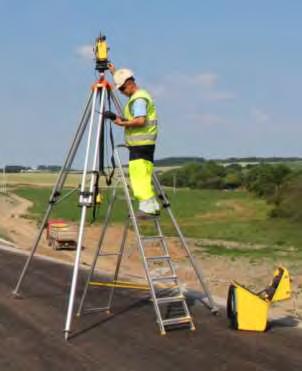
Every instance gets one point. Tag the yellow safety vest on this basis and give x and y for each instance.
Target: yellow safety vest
(144, 135)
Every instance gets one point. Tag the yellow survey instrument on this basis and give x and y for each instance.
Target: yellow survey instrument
(101, 53)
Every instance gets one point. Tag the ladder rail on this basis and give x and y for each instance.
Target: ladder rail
(139, 240)
(198, 271)
(164, 244)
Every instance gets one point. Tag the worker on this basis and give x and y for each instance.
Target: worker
(140, 123)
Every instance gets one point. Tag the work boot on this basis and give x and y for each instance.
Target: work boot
(156, 205)
(149, 207)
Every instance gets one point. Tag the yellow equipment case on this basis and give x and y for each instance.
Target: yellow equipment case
(248, 310)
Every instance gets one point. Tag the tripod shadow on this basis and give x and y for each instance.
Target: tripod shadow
(112, 316)
(140, 303)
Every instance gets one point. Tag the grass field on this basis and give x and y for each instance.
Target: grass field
(48, 179)
(229, 216)
(40, 179)
(295, 165)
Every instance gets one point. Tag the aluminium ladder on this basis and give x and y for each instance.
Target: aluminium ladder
(166, 292)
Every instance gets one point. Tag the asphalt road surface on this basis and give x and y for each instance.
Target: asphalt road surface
(128, 339)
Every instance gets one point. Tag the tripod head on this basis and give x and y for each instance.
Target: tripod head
(101, 53)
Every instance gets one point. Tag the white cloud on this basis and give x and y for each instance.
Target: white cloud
(260, 116)
(85, 51)
(208, 119)
(206, 80)
(158, 90)
(216, 96)
(201, 85)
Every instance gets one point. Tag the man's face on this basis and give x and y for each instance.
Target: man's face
(127, 88)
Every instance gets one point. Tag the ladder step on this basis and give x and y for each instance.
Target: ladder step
(170, 299)
(142, 216)
(96, 309)
(177, 320)
(163, 257)
(150, 238)
(164, 278)
(109, 254)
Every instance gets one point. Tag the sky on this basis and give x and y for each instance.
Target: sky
(225, 75)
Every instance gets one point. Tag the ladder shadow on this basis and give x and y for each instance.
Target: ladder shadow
(137, 304)
(140, 303)
(193, 297)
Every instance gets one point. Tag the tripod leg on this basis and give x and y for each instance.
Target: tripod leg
(99, 246)
(77, 140)
(85, 197)
(57, 189)
(75, 273)
(116, 102)
(33, 250)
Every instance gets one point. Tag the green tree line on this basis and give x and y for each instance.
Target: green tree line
(277, 183)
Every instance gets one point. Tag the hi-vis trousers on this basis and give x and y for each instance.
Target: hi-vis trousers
(140, 173)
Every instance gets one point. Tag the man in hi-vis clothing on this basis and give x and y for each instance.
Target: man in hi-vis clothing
(140, 123)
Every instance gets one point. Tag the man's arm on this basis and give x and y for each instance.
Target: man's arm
(111, 68)
(139, 111)
(135, 122)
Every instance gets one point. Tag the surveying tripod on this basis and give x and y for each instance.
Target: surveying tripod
(92, 123)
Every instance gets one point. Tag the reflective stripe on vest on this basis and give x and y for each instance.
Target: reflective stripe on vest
(139, 138)
(147, 133)
(150, 123)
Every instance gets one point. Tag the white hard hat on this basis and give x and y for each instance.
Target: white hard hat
(120, 76)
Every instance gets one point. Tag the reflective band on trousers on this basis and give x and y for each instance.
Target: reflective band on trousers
(141, 137)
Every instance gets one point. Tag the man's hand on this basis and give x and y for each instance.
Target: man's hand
(109, 115)
(111, 67)
(118, 121)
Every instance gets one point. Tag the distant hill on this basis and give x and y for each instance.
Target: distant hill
(259, 159)
(166, 162)
(177, 161)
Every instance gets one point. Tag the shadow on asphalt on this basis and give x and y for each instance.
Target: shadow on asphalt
(287, 321)
(134, 306)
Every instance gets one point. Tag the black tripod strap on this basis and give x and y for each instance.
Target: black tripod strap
(95, 195)
(109, 179)
(112, 155)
